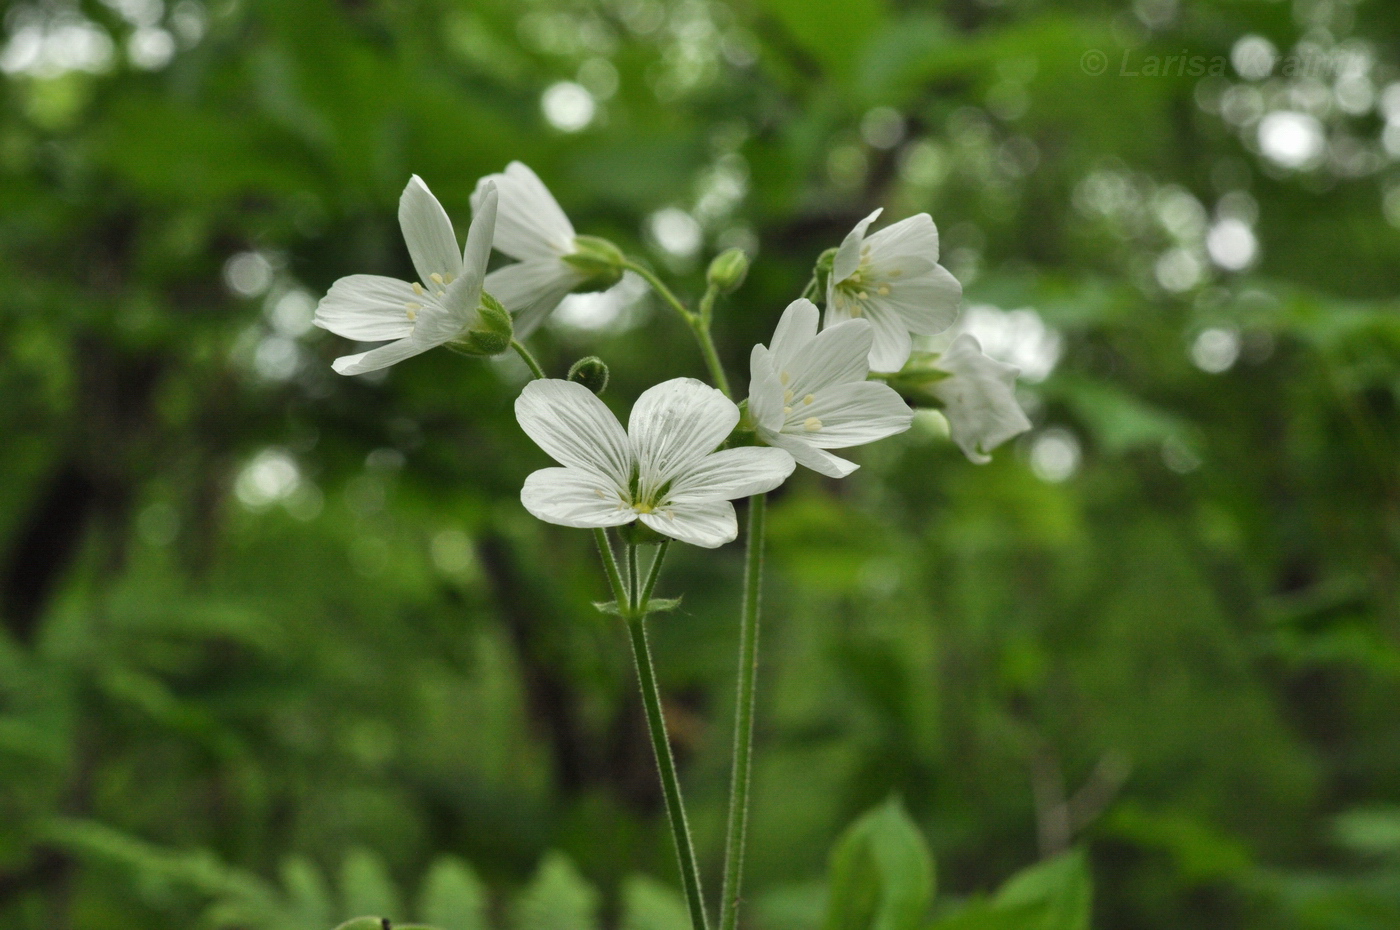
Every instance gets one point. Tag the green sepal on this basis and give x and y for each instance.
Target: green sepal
(493, 331)
(590, 371)
(728, 270)
(638, 533)
(599, 260)
(822, 270)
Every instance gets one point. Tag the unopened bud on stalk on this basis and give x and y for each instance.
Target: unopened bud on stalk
(592, 372)
(728, 270)
(597, 258)
(493, 330)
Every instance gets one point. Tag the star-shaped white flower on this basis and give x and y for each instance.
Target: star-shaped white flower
(808, 392)
(979, 398)
(663, 470)
(892, 279)
(438, 308)
(532, 228)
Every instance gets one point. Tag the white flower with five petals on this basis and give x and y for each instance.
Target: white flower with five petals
(532, 228)
(438, 308)
(892, 278)
(808, 391)
(979, 398)
(663, 470)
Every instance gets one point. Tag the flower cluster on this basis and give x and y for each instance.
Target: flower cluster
(820, 384)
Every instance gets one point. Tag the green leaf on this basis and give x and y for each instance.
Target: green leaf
(366, 887)
(1060, 888)
(881, 875)
(649, 905)
(662, 604)
(608, 607)
(557, 899)
(453, 897)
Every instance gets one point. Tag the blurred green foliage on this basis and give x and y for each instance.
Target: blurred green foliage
(263, 625)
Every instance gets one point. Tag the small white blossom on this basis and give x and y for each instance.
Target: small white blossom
(808, 391)
(422, 315)
(893, 279)
(663, 470)
(979, 398)
(533, 229)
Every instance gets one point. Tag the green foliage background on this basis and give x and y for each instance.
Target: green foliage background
(281, 647)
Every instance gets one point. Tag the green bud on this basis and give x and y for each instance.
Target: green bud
(493, 331)
(597, 258)
(728, 270)
(822, 270)
(591, 372)
(366, 923)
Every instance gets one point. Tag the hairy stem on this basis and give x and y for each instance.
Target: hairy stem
(743, 717)
(605, 549)
(660, 744)
(524, 353)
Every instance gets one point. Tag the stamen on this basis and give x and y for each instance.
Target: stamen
(809, 398)
(436, 278)
(448, 278)
(811, 424)
(787, 411)
(863, 296)
(412, 310)
(785, 377)
(856, 310)
(787, 396)
(418, 289)
(882, 290)
(599, 492)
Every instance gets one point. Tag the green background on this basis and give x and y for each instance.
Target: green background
(267, 629)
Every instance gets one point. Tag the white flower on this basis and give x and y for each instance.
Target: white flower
(420, 316)
(808, 392)
(532, 228)
(893, 279)
(979, 398)
(663, 470)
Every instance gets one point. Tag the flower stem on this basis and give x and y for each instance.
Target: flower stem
(605, 549)
(743, 717)
(699, 323)
(524, 353)
(660, 744)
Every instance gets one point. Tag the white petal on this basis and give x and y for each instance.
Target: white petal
(674, 425)
(477, 252)
(850, 414)
(979, 399)
(848, 256)
(531, 289)
(914, 236)
(709, 524)
(796, 328)
(891, 347)
(367, 307)
(574, 497)
(577, 429)
(765, 390)
(531, 223)
(926, 302)
(840, 354)
(838, 305)
(382, 357)
(809, 456)
(732, 473)
(428, 232)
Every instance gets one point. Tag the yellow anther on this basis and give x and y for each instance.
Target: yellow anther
(882, 290)
(413, 306)
(811, 424)
(785, 377)
(787, 396)
(418, 289)
(863, 296)
(448, 278)
(436, 278)
(787, 411)
(856, 310)
(809, 398)
(599, 492)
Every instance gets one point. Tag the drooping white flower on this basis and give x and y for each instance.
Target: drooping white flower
(663, 470)
(808, 391)
(892, 279)
(551, 259)
(438, 308)
(979, 398)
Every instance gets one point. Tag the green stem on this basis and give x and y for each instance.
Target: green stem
(653, 574)
(605, 549)
(699, 323)
(743, 717)
(524, 353)
(660, 744)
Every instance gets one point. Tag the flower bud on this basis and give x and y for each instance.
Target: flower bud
(591, 372)
(493, 331)
(597, 258)
(366, 923)
(728, 270)
(822, 271)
